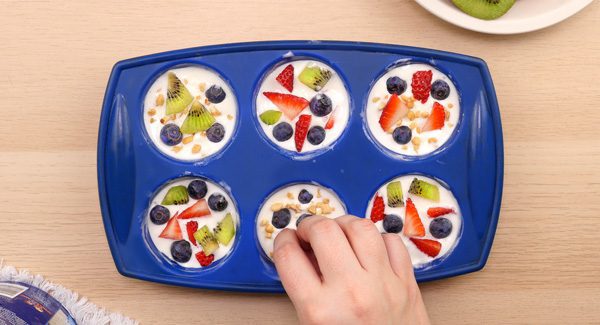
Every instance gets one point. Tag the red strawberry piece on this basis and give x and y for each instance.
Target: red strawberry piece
(436, 119)
(427, 246)
(191, 228)
(172, 229)
(412, 222)
(286, 78)
(377, 213)
(330, 122)
(438, 212)
(290, 105)
(421, 85)
(394, 111)
(301, 130)
(199, 209)
(203, 259)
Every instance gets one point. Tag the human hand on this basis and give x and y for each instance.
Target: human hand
(343, 271)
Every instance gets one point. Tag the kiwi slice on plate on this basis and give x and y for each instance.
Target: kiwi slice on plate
(484, 9)
(425, 190)
(225, 230)
(207, 240)
(394, 195)
(176, 195)
(270, 117)
(178, 96)
(198, 119)
(314, 77)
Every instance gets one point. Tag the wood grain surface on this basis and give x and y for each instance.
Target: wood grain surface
(55, 59)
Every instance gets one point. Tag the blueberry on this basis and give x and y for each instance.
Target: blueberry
(321, 105)
(159, 215)
(440, 90)
(316, 135)
(302, 217)
(304, 196)
(283, 131)
(281, 218)
(395, 85)
(392, 223)
(402, 134)
(215, 94)
(440, 228)
(217, 202)
(170, 134)
(197, 189)
(215, 133)
(181, 251)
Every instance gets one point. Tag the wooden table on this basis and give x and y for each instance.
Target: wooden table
(56, 57)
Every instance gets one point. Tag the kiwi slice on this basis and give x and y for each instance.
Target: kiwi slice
(314, 77)
(394, 195)
(484, 9)
(207, 240)
(176, 195)
(178, 97)
(270, 117)
(225, 230)
(198, 119)
(424, 190)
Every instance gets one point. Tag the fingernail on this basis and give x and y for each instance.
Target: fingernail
(302, 217)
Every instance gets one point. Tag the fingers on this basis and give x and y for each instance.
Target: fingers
(366, 241)
(334, 254)
(296, 271)
(398, 256)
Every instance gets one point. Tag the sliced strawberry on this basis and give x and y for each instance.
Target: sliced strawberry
(436, 119)
(427, 246)
(377, 213)
(330, 122)
(191, 228)
(438, 211)
(286, 78)
(203, 259)
(394, 110)
(412, 222)
(421, 85)
(290, 105)
(301, 130)
(199, 209)
(172, 229)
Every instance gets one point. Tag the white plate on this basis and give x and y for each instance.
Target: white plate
(524, 16)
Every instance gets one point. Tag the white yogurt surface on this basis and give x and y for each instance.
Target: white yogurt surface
(283, 196)
(334, 89)
(164, 244)
(447, 200)
(197, 78)
(379, 96)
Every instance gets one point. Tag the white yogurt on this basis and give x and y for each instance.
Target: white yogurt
(164, 244)
(447, 200)
(197, 78)
(379, 96)
(335, 89)
(289, 195)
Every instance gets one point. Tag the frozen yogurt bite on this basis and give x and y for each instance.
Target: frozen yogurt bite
(193, 222)
(422, 212)
(302, 106)
(413, 109)
(288, 205)
(190, 113)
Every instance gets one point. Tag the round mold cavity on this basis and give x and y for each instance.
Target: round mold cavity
(447, 200)
(197, 79)
(336, 89)
(160, 247)
(429, 142)
(287, 198)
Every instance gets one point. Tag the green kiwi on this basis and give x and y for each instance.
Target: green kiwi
(314, 77)
(176, 195)
(178, 97)
(394, 195)
(207, 240)
(424, 190)
(225, 230)
(484, 9)
(270, 117)
(198, 119)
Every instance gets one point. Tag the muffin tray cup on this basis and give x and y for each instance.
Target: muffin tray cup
(131, 169)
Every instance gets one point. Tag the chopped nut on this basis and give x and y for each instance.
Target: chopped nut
(404, 147)
(152, 120)
(411, 115)
(404, 98)
(326, 200)
(410, 104)
(263, 222)
(416, 141)
(203, 134)
(418, 129)
(269, 229)
(215, 112)
(152, 112)
(416, 147)
(290, 195)
(198, 97)
(269, 235)
(375, 99)
(450, 105)
(413, 125)
(312, 209)
(188, 139)
(206, 102)
(229, 117)
(196, 148)
(185, 81)
(447, 114)
(167, 118)
(276, 207)
(387, 96)
(177, 148)
(326, 209)
(319, 193)
(424, 114)
(295, 207)
(160, 100)
(202, 86)
(432, 140)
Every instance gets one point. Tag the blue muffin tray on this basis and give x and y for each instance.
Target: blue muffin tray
(131, 169)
